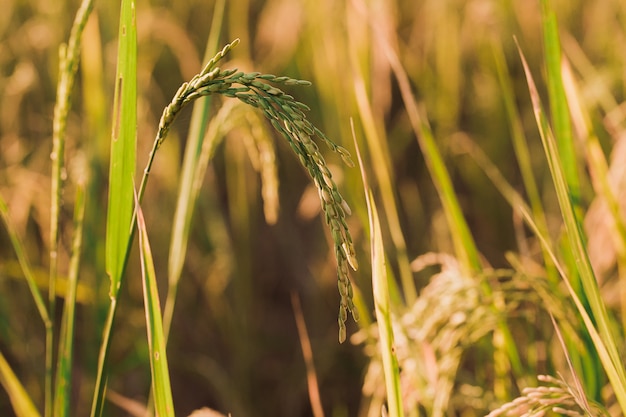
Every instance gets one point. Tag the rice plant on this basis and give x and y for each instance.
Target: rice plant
(151, 254)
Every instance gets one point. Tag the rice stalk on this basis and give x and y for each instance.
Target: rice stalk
(382, 301)
(64, 368)
(430, 337)
(288, 118)
(554, 396)
(68, 65)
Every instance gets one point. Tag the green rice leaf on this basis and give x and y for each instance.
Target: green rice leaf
(382, 304)
(121, 176)
(161, 389)
(123, 148)
(380, 287)
(604, 342)
(559, 108)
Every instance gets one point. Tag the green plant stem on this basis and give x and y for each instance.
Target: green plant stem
(102, 376)
(382, 304)
(66, 344)
(69, 57)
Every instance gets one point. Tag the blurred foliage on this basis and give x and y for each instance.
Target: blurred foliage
(234, 344)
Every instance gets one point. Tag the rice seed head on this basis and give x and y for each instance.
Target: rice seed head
(287, 116)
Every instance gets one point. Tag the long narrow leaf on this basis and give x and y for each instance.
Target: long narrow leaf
(558, 102)
(612, 362)
(380, 287)
(123, 148)
(68, 66)
(379, 152)
(382, 305)
(161, 389)
(121, 175)
(614, 370)
(20, 400)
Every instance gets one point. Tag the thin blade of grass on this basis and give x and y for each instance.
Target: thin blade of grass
(382, 305)
(598, 171)
(562, 132)
(66, 335)
(381, 165)
(611, 361)
(520, 146)
(68, 66)
(380, 287)
(18, 247)
(614, 368)
(20, 400)
(188, 189)
(121, 176)
(559, 108)
(161, 388)
(464, 245)
(307, 353)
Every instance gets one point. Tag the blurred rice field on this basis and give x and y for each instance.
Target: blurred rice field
(234, 344)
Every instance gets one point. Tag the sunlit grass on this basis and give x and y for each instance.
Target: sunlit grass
(486, 210)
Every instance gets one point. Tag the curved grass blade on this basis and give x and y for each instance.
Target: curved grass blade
(20, 400)
(161, 388)
(612, 364)
(607, 350)
(382, 305)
